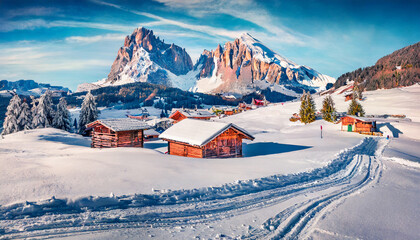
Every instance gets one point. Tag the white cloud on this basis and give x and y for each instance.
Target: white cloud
(96, 38)
(247, 10)
(31, 24)
(33, 11)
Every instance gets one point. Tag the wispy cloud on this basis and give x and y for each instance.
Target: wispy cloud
(213, 31)
(96, 38)
(247, 10)
(32, 11)
(31, 24)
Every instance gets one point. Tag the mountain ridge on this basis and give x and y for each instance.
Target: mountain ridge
(400, 68)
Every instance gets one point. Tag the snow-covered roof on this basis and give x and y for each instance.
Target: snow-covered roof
(122, 124)
(191, 113)
(149, 132)
(199, 132)
(363, 119)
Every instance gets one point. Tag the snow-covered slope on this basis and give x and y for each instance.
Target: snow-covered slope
(246, 63)
(289, 184)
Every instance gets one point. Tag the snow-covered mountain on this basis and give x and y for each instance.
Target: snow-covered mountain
(240, 67)
(244, 64)
(28, 88)
(146, 58)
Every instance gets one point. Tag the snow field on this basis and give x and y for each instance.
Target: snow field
(290, 182)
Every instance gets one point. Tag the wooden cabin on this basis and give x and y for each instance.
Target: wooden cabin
(351, 123)
(205, 139)
(181, 114)
(150, 134)
(348, 97)
(119, 132)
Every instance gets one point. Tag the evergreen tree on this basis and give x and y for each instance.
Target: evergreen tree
(25, 117)
(355, 109)
(11, 124)
(88, 113)
(75, 125)
(328, 109)
(43, 112)
(357, 91)
(62, 116)
(48, 106)
(34, 104)
(307, 108)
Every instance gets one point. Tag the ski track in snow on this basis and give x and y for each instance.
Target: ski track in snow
(306, 197)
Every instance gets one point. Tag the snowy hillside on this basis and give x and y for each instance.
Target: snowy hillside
(289, 184)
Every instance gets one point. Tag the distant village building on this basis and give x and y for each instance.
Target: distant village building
(205, 139)
(348, 97)
(150, 134)
(179, 114)
(363, 125)
(119, 132)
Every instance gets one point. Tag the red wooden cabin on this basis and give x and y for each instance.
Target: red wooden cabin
(351, 123)
(205, 139)
(120, 132)
(348, 97)
(181, 114)
(150, 134)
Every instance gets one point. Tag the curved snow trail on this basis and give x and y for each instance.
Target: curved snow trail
(305, 196)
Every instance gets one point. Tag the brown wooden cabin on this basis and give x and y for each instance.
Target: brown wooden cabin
(119, 132)
(150, 134)
(181, 114)
(205, 139)
(351, 123)
(348, 97)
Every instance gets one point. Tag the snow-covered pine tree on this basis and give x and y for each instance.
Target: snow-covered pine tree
(307, 108)
(25, 117)
(10, 124)
(75, 128)
(43, 111)
(355, 109)
(34, 103)
(62, 116)
(49, 106)
(328, 109)
(88, 113)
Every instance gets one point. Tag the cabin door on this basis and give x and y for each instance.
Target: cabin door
(349, 128)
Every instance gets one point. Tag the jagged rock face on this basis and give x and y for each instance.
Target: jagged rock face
(157, 57)
(246, 62)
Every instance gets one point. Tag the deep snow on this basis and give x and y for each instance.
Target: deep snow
(39, 164)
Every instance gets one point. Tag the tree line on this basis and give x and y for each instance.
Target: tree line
(43, 114)
(307, 110)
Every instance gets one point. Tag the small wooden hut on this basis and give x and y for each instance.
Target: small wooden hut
(150, 134)
(120, 132)
(181, 114)
(348, 97)
(351, 123)
(205, 139)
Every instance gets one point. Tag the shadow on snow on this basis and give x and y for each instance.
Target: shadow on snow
(268, 148)
(66, 139)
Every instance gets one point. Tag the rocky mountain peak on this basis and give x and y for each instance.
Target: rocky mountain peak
(245, 63)
(144, 57)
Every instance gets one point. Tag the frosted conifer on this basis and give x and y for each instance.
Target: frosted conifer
(62, 116)
(328, 109)
(355, 109)
(88, 113)
(43, 112)
(25, 117)
(10, 124)
(307, 108)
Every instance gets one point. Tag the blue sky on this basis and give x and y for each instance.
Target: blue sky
(70, 42)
